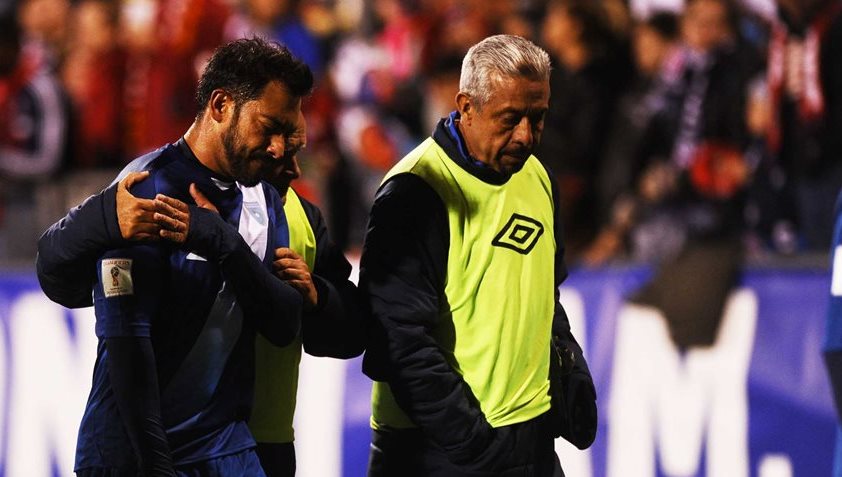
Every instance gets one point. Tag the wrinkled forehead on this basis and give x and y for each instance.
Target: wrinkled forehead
(276, 108)
(521, 90)
(276, 100)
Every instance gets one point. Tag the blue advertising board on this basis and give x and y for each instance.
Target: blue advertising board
(756, 403)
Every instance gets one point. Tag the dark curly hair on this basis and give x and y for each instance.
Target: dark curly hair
(244, 67)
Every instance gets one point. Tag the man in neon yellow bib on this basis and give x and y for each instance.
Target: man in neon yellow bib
(461, 267)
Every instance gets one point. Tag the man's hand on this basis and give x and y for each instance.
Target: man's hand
(173, 215)
(291, 268)
(201, 200)
(135, 216)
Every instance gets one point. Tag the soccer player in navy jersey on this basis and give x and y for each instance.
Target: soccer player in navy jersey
(173, 380)
(313, 264)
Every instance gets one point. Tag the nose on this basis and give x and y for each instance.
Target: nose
(276, 147)
(523, 132)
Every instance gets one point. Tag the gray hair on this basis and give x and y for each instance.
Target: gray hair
(498, 57)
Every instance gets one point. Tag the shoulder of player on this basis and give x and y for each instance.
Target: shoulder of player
(159, 163)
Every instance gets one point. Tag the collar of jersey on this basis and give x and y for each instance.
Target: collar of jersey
(220, 183)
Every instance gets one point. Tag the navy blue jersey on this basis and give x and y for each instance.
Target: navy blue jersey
(201, 329)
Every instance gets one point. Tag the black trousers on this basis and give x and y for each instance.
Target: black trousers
(524, 449)
(277, 460)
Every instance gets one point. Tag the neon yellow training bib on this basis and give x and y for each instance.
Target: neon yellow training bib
(499, 291)
(276, 368)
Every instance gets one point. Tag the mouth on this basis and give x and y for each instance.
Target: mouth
(520, 156)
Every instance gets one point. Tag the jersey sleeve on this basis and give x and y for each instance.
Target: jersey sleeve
(127, 297)
(579, 389)
(68, 250)
(128, 292)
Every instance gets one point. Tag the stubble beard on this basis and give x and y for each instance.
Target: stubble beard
(238, 158)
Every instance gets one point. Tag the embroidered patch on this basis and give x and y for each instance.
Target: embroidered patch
(256, 211)
(117, 277)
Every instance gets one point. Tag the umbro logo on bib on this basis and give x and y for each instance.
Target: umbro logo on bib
(520, 234)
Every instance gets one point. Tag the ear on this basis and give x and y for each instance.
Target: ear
(220, 105)
(465, 107)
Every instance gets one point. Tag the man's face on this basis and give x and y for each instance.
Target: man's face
(258, 134)
(650, 48)
(504, 131)
(704, 25)
(287, 170)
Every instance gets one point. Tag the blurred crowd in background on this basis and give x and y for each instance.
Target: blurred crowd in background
(699, 125)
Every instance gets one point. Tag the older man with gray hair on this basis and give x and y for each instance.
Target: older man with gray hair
(461, 267)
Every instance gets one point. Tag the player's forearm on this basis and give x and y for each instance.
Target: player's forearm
(134, 380)
(275, 306)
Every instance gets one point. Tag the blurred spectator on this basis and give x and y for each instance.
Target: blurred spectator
(278, 20)
(442, 85)
(804, 84)
(326, 170)
(33, 129)
(129, 67)
(168, 42)
(33, 137)
(509, 17)
(94, 75)
(45, 25)
(655, 41)
(686, 211)
(771, 212)
(402, 35)
(374, 143)
(586, 82)
(394, 86)
(455, 27)
(379, 80)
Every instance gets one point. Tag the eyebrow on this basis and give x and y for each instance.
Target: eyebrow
(286, 127)
(521, 112)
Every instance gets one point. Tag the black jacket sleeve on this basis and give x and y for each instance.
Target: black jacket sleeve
(402, 275)
(578, 387)
(561, 324)
(335, 328)
(134, 381)
(68, 250)
(274, 305)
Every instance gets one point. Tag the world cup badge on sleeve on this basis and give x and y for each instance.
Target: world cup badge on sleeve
(117, 277)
